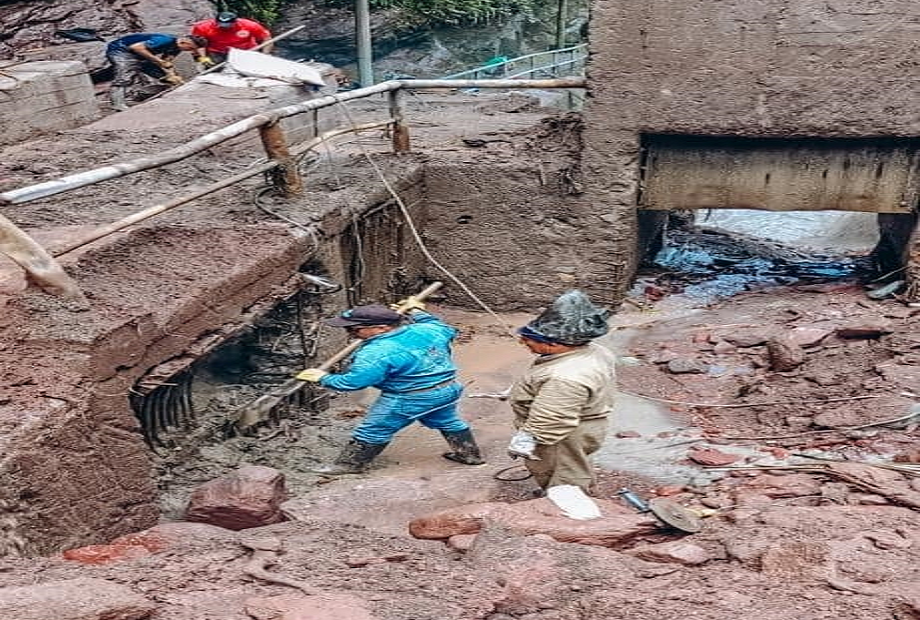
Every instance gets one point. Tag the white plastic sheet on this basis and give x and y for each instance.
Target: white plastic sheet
(573, 502)
(259, 65)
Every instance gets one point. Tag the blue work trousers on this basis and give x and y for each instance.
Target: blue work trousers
(390, 413)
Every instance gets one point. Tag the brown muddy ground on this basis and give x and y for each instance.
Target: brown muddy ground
(782, 543)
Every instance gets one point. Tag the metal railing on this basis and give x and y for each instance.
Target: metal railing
(566, 61)
(40, 265)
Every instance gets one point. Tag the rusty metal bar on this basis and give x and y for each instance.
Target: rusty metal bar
(286, 177)
(400, 133)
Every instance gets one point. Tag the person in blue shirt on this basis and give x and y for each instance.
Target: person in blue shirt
(411, 364)
(144, 53)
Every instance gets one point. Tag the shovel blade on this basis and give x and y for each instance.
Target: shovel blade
(674, 515)
(258, 410)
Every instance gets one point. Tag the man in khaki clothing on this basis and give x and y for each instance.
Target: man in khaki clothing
(562, 402)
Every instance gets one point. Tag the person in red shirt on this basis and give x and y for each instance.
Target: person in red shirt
(227, 30)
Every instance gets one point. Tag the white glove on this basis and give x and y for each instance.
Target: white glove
(522, 445)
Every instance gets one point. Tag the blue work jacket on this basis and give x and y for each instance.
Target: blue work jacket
(411, 357)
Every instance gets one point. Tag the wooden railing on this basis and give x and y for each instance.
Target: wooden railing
(43, 270)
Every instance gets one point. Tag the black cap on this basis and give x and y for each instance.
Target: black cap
(226, 17)
(364, 316)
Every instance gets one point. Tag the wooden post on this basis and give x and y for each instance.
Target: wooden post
(40, 267)
(286, 176)
(400, 129)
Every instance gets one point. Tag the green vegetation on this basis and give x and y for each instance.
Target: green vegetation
(417, 13)
(264, 11)
(430, 13)
(455, 12)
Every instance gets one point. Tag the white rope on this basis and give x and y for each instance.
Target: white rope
(417, 236)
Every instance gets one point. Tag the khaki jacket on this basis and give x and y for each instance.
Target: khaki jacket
(559, 391)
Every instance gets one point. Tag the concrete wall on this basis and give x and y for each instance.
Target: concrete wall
(751, 68)
(43, 97)
(516, 234)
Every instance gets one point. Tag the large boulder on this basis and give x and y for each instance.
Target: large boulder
(249, 497)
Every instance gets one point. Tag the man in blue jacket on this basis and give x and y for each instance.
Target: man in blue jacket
(411, 365)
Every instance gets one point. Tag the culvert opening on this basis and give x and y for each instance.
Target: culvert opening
(186, 402)
(184, 405)
(710, 259)
(721, 215)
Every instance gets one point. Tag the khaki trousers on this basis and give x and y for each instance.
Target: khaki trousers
(567, 462)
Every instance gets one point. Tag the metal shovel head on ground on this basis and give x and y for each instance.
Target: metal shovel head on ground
(260, 409)
(668, 512)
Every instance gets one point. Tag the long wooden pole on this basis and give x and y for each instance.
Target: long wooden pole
(89, 177)
(256, 170)
(258, 410)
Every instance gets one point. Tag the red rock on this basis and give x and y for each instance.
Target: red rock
(776, 452)
(462, 542)
(672, 552)
(539, 516)
(746, 339)
(711, 457)
(789, 485)
(702, 336)
(168, 535)
(784, 353)
(251, 496)
(808, 336)
(74, 599)
(105, 554)
(723, 348)
(146, 542)
(528, 571)
(667, 491)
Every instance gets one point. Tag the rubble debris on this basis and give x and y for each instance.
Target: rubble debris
(265, 552)
(74, 599)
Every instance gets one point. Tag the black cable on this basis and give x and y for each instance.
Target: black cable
(498, 475)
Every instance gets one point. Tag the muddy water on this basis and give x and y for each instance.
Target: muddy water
(490, 361)
(819, 230)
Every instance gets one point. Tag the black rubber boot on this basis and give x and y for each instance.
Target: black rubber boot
(353, 459)
(464, 448)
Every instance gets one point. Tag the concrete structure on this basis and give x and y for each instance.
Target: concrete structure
(82, 381)
(44, 96)
(756, 104)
